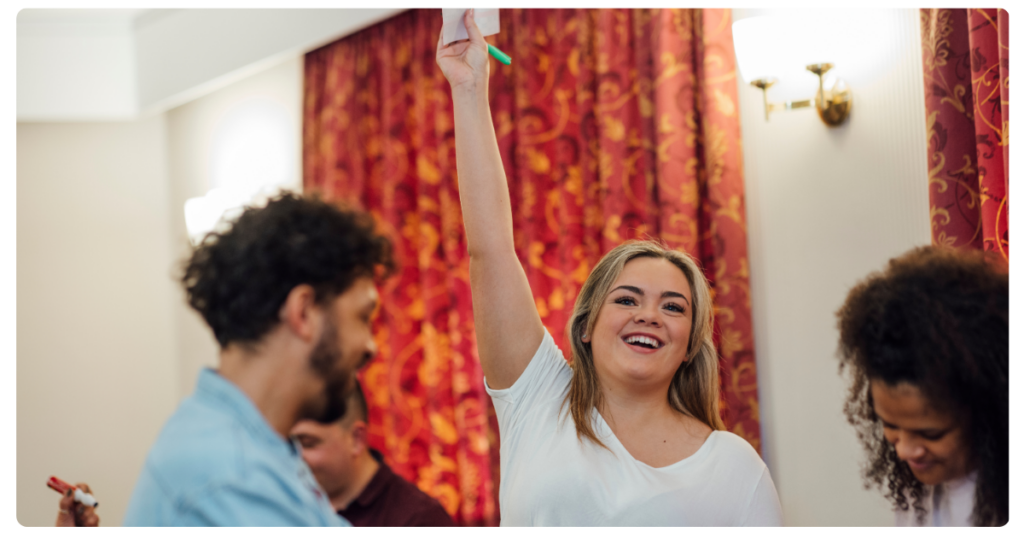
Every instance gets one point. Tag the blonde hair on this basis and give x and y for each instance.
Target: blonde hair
(694, 388)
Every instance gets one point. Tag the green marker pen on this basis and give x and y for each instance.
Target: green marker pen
(498, 55)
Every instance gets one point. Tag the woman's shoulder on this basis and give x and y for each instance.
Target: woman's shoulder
(546, 377)
(728, 445)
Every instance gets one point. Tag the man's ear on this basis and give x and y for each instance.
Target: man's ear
(300, 313)
(360, 437)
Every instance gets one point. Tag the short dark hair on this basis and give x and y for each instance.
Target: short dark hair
(936, 318)
(239, 278)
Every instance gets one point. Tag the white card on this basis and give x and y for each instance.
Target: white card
(455, 28)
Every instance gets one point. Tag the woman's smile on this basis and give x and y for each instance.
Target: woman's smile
(641, 342)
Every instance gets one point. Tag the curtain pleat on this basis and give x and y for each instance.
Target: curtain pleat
(966, 75)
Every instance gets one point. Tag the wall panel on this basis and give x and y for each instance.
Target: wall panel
(825, 207)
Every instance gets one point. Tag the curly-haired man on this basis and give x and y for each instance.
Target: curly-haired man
(289, 293)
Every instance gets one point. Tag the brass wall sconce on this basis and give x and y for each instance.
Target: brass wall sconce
(773, 46)
(833, 104)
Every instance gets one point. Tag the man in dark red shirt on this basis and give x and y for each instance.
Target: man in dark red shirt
(361, 487)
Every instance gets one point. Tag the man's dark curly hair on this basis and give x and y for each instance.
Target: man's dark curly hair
(238, 279)
(938, 319)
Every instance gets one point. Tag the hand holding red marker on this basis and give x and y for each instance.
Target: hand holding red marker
(77, 505)
(62, 487)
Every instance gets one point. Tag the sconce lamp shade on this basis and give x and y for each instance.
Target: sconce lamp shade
(780, 47)
(205, 214)
(759, 48)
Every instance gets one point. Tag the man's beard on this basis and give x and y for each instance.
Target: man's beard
(331, 406)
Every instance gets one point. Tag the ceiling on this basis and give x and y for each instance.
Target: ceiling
(84, 14)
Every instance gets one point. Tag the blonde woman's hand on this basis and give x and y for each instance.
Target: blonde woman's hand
(465, 63)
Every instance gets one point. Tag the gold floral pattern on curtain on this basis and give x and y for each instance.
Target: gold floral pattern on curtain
(966, 75)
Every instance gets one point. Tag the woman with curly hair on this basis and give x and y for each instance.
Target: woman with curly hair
(927, 344)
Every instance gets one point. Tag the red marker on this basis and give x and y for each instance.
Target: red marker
(62, 487)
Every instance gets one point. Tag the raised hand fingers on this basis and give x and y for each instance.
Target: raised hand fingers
(472, 29)
(464, 62)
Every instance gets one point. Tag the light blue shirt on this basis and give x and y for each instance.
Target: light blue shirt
(217, 462)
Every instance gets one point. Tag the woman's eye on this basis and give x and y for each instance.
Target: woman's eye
(675, 308)
(625, 301)
(934, 436)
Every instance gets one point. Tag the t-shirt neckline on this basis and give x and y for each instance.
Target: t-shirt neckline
(607, 432)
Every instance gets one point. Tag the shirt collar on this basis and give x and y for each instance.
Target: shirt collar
(377, 483)
(231, 398)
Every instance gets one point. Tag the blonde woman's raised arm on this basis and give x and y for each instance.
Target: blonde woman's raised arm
(508, 328)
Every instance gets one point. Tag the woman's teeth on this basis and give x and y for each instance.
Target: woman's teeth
(643, 340)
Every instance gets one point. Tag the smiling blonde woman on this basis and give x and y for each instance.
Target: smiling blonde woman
(646, 445)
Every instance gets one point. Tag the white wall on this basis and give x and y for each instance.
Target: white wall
(96, 343)
(825, 207)
(82, 71)
(7, 257)
(195, 133)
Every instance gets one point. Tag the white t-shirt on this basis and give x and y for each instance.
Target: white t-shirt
(948, 505)
(549, 477)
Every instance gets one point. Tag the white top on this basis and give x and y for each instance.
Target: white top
(949, 504)
(549, 477)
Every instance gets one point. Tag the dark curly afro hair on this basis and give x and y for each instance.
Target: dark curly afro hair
(238, 279)
(938, 319)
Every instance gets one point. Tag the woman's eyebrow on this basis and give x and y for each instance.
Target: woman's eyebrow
(675, 294)
(640, 292)
(919, 431)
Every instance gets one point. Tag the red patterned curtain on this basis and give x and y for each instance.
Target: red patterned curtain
(612, 124)
(1012, 69)
(966, 75)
